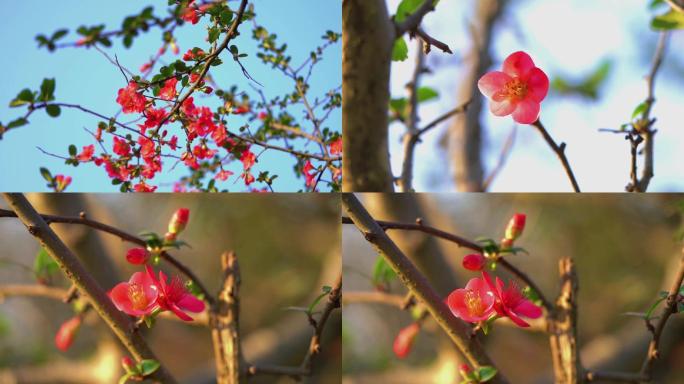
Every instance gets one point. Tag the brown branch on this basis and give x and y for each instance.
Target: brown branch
(503, 156)
(373, 297)
(413, 20)
(458, 331)
(461, 242)
(560, 152)
(225, 324)
(460, 109)
(429, 41)
(410, 139)
(119, 323)
(283, 149)
(82, 220)
(295, 131)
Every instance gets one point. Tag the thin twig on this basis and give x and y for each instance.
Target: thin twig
(503, 156)
(560, 152)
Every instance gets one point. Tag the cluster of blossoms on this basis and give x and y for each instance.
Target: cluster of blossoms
(515, 227)
(518, 89)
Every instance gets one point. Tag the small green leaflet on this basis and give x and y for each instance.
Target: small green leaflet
(382, 272)
(400, 50)
(670, 20)
(407, 7)
(44, 265)
(639, 110)
(485, 373)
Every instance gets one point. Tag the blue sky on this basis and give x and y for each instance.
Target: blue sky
(569, 38)
(85, 77)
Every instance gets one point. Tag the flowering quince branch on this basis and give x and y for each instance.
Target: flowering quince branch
(457, 330)
(148, 142)
(74, 270)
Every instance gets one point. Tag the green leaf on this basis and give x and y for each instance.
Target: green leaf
(214, 33)
(26, 96)
(382, 272)
(148, 366)
(46, 174)
(59, 34)
(405, 8)
(653, 307)
(47, 90)
(639, 110)
(17, 123)
(72, 150)
(53, 110)
(670, 20)
(486, 373)
(400, 50)
(124, 378)
(44, 265)
(426, 93)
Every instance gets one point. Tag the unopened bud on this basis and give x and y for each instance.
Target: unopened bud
(515, 226)
(474, 262)
(404, 340)
(137, 256)
(67, 332)
(179, 221)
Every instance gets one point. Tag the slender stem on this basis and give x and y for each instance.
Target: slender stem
(82, 220)
(415, 281)
(560, 152)
(411, 135)
(86, 284)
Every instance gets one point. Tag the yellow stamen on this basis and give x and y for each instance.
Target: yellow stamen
(136, 294)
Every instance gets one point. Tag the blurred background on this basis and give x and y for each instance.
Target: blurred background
(288, 247)
(597, 52)
(626, 249)
(85, 77)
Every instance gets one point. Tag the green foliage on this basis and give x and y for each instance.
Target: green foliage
(587, 87)
(26, 96)
(400, 50)
(44, 266)
(407, 7)
(53, 110)
(671, 20)
(399, 106)
(383, 274)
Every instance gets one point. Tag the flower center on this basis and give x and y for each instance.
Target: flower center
(516, 89)
(474, 303)
(136, 294)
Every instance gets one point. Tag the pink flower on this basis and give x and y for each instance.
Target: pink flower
(137, 297)
(474, 303)
(87, 153)
(179, 220)
(474, 262)
(146, 67)
(137, 256)
(336, 146)
(121, 147)
(403, 343)
(310, 177)
(174, 297)
(263, 115)
(223, 175)
(519, 89)
(130, 100)
(241, 110)
(248, 159)
(510, 301)
(61, 182)
(67, 332)
(144, 187)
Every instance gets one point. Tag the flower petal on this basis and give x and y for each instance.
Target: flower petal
(179, 313)
(502, 108)
(528, 309)
(514, 318)
(537, 84)
(190, 303)
(492, 82)
(518, 64)
(119, 296)
(526, 111)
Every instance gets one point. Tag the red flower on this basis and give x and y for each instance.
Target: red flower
(146, 67)
(220, 135)
(193, 54)
(137, 297)
(510, 301)
(174, 48)
(519, 89)
(67, 332)
(61, 182)
(179, 220)
(130, 99)
(249, 178)
(404, 340)
(223, 175)
(262, 115)
(474, 303)
(121, 147)
(248, 159)
(515, 226)
(240, 110)
(203, 152)
(86, 154)
(174, 297)
(168, 91)
(310, 177)
(190, 14)
(474, 262)
(336, 146)
(154, 117)
(137, 256)
(142, 187)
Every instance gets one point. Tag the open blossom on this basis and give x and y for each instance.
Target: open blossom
(263, 115)
(144, 187)
(154, 118)
(309, 177)
(336, 146)
(192, 54)
(137, 297)
(474, 262)
(137, 256)
(130, 100)
(248, 159)
(121, 147)
(86, 154)
(174, 297)
(518, 89)
(223, 175)
(61, 182)
(168, 91)
(404, 340)
(190, 13)
(510, 302)
(249, 178)
(474, 303)
(241, 110)
(67, 332)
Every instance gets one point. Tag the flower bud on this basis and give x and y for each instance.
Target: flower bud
(515, 226)
(67, 332)
(465, 371)
(474, 262)
(179, 221)
(127, 364)
(506, 243)
(137, 256)
(404, 340)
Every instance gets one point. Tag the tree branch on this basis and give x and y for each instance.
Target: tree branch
(79, 276)
(560, 152)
